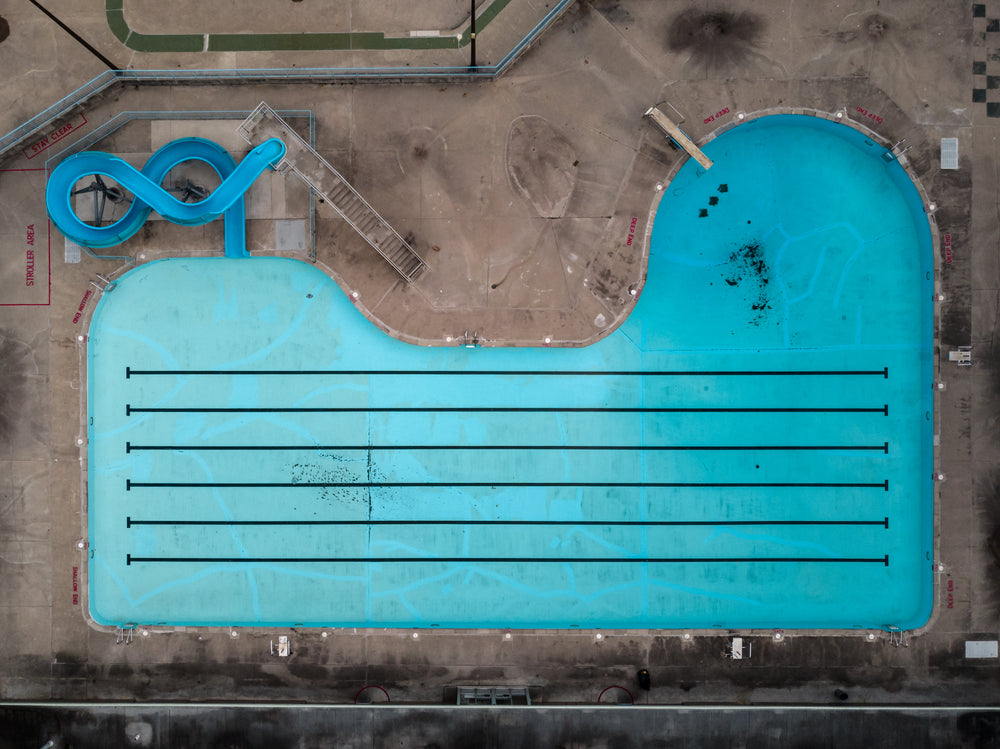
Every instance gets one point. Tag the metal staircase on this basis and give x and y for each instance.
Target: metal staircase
(315, 171)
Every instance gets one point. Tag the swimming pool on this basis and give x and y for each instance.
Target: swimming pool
(751, 448)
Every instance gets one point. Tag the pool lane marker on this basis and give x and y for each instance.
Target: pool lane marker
(884, 560)
(129, 485)
(883, 448)
(129, 522)
(884, 372)
(130, 409)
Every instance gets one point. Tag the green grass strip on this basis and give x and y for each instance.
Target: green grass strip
(116, 20)
(165, 42)
(114, 10)
(322, 42)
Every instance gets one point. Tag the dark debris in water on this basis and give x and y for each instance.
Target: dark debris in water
(748, 268)
(329, 469)
(712, 201)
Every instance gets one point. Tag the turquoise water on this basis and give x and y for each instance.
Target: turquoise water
(752, 448)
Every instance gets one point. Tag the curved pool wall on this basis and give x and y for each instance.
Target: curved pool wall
(226, 199)
(260, 454)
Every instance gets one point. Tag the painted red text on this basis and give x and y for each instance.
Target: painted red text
(631, 231)
(55, 136)
(29, 257)
(870, 115)
(717, 115)
(83, 303)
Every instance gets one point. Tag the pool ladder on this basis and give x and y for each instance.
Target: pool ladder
(109, 285)
(897, 636)
(123, 634)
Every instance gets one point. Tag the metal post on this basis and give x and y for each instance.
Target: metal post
(472, 33)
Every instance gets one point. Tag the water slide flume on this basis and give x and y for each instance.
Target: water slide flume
(149, 196)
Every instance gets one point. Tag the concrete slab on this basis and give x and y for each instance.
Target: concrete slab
(42, 65)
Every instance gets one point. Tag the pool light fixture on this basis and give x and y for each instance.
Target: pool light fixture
(940, 567)
(778, 635)
(144, 632)
(870, 636)
(548, 340)
(939, 386)
(939, 297)
(234, 634)
(508, 636)
(939, 476)
(79, 441)
(687, 636)
(80, 338)
(598, 637)
(741, 116)
(415, 635)
(81, 544)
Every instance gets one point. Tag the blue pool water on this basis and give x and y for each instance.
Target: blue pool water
(751, 448)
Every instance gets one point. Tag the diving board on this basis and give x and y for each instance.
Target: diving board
(672, 131)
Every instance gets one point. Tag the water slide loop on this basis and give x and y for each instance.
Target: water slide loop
(226, 199)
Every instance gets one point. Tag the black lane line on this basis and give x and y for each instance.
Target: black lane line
(883, 448)
(77, 37)
(884, 372)
(129, 522)
(129, 410)
(129, 484)
(485, 560)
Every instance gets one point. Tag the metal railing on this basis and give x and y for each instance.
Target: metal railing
(123, 118)
(113, 78)
(328, 183)
(61, 108)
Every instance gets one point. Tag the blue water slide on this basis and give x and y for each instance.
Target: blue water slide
(227, 198)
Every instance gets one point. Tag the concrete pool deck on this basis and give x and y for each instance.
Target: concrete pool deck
(905, 74)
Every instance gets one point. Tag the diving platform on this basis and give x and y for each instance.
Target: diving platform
(672, 131)
(301, 158)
